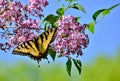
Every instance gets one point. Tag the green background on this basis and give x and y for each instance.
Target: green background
(100, 69)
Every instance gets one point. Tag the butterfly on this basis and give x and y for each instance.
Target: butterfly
(38, 47)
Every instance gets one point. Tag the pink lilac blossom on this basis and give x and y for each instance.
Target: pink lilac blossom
(16, 12)
(11, 12)
(71, 37)
(30, 24)
(14, 18)
(21, 35)
(35, 6)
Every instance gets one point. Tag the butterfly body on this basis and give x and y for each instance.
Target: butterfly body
(36, 48)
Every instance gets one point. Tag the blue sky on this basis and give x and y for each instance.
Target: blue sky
(105, 40)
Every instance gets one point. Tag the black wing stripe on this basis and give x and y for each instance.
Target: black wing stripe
(45, 35)
(41, 36)
(36, 44)
(47, 32)
(22, 45)
(51, 30)
(25, 46)
(29, 44)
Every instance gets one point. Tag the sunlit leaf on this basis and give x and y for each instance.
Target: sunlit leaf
(60, 11)
(51, 19)
(78, 65)
(107, 11)
(78, 7)
(96, 14)
(103, 11)
(68, 66)
(90, 27)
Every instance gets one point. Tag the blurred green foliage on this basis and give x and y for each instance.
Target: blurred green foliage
(101, 69)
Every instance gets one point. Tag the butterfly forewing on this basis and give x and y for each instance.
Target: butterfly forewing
(46, 38)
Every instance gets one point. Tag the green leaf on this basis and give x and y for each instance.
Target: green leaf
(107, 11)
(78, 7)
(68, 66)
(103, 11)
(96, 14)
(90, 27)
(51, 19)
(78, 65)
(52, 53)
(114, 6)
(77, 19)
(60, 11)
(46, 26)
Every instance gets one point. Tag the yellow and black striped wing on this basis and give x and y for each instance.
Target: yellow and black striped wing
(27, 49)
(44, 40)
(37, 48)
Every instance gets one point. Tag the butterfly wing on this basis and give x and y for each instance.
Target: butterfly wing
(44, 40)
(27, 49)
(37, 48)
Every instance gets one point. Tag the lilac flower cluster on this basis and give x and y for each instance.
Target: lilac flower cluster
(15, 21)
(71, 37)
(16, 12)
(35, 6)
(21, 35)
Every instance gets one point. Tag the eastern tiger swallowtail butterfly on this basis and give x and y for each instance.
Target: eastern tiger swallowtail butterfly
(36, 48)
